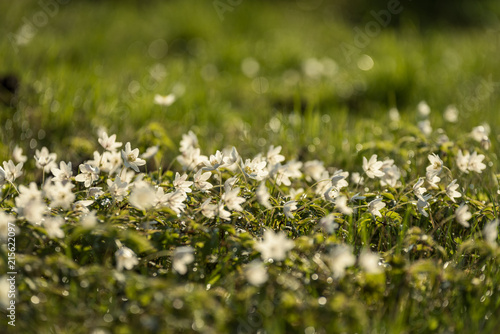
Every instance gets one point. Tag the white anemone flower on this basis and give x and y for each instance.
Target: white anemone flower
(369, 262)
(341, 205)
(131, 158)
(490, 233)
(109, 143)
(125, 258)
(263, 196)
(89, 174)
(435, 167)
(274, 246)
(182, 257)
(256, 273)
(375, 206)
(53, 227)
(18, 155)
(462, 215)
(340, 258)
(372, 167)
(288, 207)
(166, 101)
(451, 190)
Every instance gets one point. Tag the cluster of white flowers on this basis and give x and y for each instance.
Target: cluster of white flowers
(222, 186)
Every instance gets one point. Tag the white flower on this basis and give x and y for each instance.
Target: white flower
(288, 207)
(89, 174)
(425, 127)
(394, 115)
(423, 109)
(263, 196)
(356, 178)
(18, 156)
(113, 161)
(29, 203)
(232, 199)
(125, 258)
(284, 173)
(418, 190)
(375, 206)
(295, 193)
(463, 161)
(189, 141)
(81, 206)
(339, 179)
(45, 160)
(486, 143)
(118, 189)
(328, 224)
(341, 205)
(435, 167)
(451, 190)
(142, 196)
(166, 101)
(256, 273)
(53, 227)
(323, 185)
(109, 143)
(369, 262)
(479, 132)
(95, 192)
(60, 194)
(255, 169)
(451, 114)
(28, 194)
(475, 163)
(213, 210)
(490, 233)
(11, 172)
(182, 257)
(331, 193)
(131, 158)
(63, 173)
(200, 181)
(222, 213)
(462, 215)
(100, 161)
(150, 152)
(274, 246)
(180, 183)
(214, 162)
(191, 158)
(340, 258)
(433, 182)
(273, 157)
(372, 167)
(89, 220)
(231, 159)
(391, 174)
(173, 200)
(313, 170)
(423, 203)
(207, 209)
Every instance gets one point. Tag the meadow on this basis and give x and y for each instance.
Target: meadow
(249, 167)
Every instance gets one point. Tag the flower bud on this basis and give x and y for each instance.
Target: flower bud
(485, 143)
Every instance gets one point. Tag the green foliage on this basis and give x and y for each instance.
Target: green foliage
(409, 269)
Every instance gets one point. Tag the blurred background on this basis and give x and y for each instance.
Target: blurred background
(313, 74)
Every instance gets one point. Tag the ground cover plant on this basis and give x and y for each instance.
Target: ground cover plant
(244, 174)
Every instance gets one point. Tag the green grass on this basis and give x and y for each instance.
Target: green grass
(94, 65)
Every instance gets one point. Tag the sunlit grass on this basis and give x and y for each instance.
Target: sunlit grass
(166, 253)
